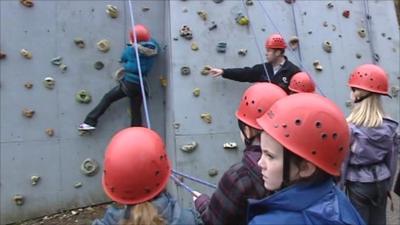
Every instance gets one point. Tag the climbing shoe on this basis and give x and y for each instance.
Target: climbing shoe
(86, 127)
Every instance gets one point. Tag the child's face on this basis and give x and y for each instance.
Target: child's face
(271, 162)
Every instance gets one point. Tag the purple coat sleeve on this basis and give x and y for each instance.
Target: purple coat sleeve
(391, 159)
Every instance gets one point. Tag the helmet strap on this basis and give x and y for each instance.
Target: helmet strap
(360, 99)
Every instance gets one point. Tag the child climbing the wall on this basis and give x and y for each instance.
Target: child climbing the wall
(304, 141)
(129, 84)
(278, 69)
(139, 182)
(243, 180)
(370, 168)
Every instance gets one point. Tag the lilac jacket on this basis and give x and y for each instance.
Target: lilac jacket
(373, 153)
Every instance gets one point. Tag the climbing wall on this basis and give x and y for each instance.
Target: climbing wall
(48, 30)
(198, 117)
(333, 39)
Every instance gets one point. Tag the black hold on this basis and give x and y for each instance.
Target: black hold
(218, 1)
(221, 47)
(249, 2)
(185, 70)
(98, 65)
(376, 57)
(290, 1)
(145, 9)
(213, 26)
(186, 32)
(329, 5)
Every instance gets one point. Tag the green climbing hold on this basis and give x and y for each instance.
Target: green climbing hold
(83, 96)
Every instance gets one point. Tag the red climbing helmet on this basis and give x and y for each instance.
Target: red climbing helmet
(302, 82)
(370, 78)
(142, 33)
(256, 100)
(310, 126)
(136, 166)
(275, 41)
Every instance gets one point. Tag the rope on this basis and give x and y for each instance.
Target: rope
(195, 179)
(298, 57)
(369, 30)
(179, 183)
(260, 52)
(139, 67)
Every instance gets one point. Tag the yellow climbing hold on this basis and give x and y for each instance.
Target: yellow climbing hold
(196, 92)
(112, 11)
(194, 46)
(206, 117)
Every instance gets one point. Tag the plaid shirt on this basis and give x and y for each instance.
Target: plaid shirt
(228, 204)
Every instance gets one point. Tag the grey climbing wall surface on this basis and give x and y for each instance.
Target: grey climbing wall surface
(48, 30)
(198, 117)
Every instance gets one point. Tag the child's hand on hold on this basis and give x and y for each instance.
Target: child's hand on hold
(216, 72)
(196, 195)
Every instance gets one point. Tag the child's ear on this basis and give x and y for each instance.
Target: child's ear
(306, 169)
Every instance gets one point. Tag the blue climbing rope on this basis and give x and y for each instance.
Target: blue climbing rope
(146, 111)
(298, 56)
(195, 179)
(369, 30)
(179, 183)
(260, 52)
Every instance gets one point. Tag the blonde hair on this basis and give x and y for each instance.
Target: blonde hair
(144, 214)
(369, 112)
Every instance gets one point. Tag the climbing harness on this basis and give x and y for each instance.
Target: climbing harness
(146, 111)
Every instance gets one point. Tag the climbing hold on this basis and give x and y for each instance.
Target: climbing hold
(212, 26)
(2, 55)
(290, 1)
(185, 70)
(185, 10)
(186, 32)
(35, 180)
(63, 68)
(362, 33)
(98, 65)
(49, 82)
(294, 42)
(206, 117)
(230, 145)
(196, 92)
(189, 147)
(163, 81)
(206, 70)
(317, 65)
(79, 42)
(346, 13)
(325, 24)
(218, 1)
(28, 113)
(26, 54)
(394, 90)
(27, 3)
(383, 34)
(145, 9)
(50, 132)
(83, 96)
(175, 38)
(56, 61)
(19, 199)
(376, 57)
(203, 14)
(28, 85)
(194, 46)
(78, 185)
(112, 11)
(348, 103)
(242, 52)
(221, 47)
(89, 167)
(242, 19)
(342, 67)
(358, 55)
(103, 45)
(119, 74)
(329, 5)
(333, 27)
(176, 125)
(309, 32)
(249, 2)
(212, 172)
(327, 46)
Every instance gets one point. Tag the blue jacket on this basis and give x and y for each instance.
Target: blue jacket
(166, 206)
(304, 203)
(146, 62)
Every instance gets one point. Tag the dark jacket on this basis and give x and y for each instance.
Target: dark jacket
(229, 202)
(397, 185)
(305, 204)
(147, 52)
(167, 207)
(257, 74)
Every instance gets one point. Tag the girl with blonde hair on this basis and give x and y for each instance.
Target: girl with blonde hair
(370, 167)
